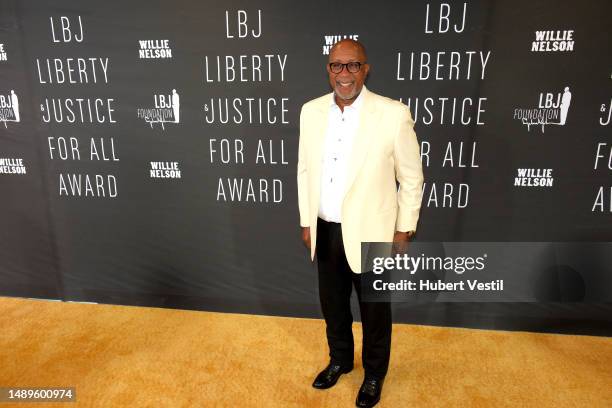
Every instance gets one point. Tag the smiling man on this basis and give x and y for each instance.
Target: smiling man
(354, 147)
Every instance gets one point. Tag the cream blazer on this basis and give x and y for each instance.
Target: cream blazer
(385, 149)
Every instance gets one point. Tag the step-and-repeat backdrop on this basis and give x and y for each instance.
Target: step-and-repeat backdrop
(148, 150)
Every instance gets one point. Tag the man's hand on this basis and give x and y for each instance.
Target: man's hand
(402, 236)
(400, 242)
(306, 236)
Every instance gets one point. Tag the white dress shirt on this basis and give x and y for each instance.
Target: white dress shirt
(341, 131)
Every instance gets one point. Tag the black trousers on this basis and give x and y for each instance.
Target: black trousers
(336, 280)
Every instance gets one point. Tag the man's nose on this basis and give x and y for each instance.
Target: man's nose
(344, 74)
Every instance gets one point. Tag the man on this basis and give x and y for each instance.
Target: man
(565, 104)
(353, 147)
(15, 105)
(176, 106)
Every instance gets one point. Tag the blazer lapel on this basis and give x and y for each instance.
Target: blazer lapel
(368, 122)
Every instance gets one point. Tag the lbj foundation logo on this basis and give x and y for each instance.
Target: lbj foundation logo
(552, 110)
(166, 109)
(9, 108)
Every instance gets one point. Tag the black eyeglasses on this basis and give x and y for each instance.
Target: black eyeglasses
(352, 67)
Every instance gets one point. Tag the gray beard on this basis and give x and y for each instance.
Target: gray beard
(356, 94)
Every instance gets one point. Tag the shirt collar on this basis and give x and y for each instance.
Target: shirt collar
(355, 105)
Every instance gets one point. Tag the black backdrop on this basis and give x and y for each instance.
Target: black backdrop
(187, 242)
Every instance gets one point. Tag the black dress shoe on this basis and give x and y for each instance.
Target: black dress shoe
(329, 376)
(369, 393)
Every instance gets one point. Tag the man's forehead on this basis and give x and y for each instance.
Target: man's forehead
(346, 51)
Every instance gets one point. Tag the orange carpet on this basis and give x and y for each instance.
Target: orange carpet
(118, 356)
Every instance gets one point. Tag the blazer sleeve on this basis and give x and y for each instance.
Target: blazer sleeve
(409, 173)
(302, 173)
